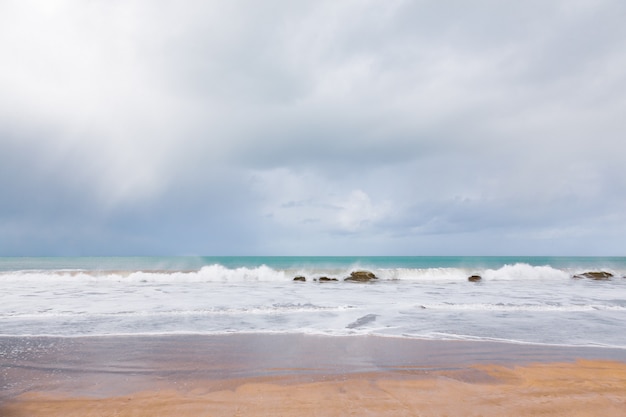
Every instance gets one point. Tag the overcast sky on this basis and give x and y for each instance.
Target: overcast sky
(313, 127)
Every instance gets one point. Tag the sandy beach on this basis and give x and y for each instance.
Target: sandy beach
(296, 375)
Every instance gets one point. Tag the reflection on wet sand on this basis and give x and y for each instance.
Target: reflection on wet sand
(292, 375)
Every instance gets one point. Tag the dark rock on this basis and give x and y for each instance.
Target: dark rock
(474, 278)
(595, 275)
(326, 279)
(361, 276)
(362, 321)
(299, 278)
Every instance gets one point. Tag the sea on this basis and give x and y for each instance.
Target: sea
(528, 300)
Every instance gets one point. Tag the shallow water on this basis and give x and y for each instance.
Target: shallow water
(520, 300)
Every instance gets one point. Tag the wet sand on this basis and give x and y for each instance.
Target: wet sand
(296, 375)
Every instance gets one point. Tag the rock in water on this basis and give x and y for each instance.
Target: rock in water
(595, 275)
(361, 276)
(362, 321)
(474, 278)
(326, 279)
(299, 278)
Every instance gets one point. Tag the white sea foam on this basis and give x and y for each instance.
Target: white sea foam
(223, 311)
(526, 272)
(514, 302)
(520, 307)
(263, 273)
(424, 274)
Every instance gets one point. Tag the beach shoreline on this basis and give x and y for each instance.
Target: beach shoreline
(295, 374)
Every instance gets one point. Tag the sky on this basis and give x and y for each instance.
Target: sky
(350, 127)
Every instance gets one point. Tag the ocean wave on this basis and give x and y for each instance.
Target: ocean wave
(517, 271)
(221, 274)
(520, 307)
(278, 308)
(471, 338)
(210, 273)
(434, 336)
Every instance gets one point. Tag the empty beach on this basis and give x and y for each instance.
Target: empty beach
(304, 375)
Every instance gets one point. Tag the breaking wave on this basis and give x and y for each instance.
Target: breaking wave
(263, 273)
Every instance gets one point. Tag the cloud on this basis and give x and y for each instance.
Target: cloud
(397, 127)
(301, 199)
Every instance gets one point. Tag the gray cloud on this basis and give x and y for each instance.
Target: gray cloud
(407, 127)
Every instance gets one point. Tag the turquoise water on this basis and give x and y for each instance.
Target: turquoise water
(532, 300)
